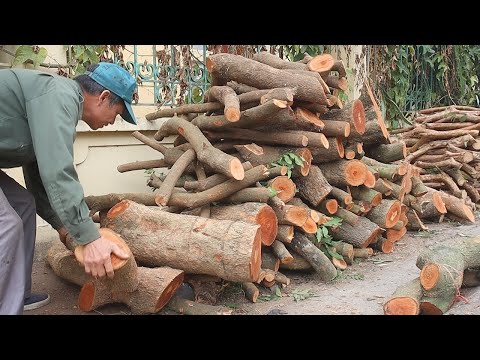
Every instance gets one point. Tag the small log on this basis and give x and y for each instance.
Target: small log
(240, 88)
(342, 196)
(335, 151)
(363, 193)
(226, 96)
(418, 188)
(385, 214)
(281, 252)
(314, 187)
(316, 216)
(360, 235)
(251, 291)
(285, 233)
(257, 194)
(333, 128)
(363, 253)
(142, 165)
(347, 216)
(353, 113)
(298, 264)
(309, 227)
(328, 206)
(345, 172)
(282, 279)
(273, 138)
(319, 261)
(384, 245)
(288, 214)
(388, 153)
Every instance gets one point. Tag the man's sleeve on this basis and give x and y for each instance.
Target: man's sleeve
(52, 119)
(35, 185)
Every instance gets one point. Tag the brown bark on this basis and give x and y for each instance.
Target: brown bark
(362, 253)
(347, 216)
(298, 264)
(253, 73)
(256, 194)
(285, 233)
(251, 291)
(274, 61)
(105, 202)
(281, 252)
(273, 138)
(363, 193)
(240, 88)
(342, 196)
(335, 128)
(255, 213)
(414, 222)
(457, 207)
(269, 261)
(228, 249)
(211, 181)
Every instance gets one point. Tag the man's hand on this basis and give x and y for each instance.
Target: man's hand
(62, 234)
(96, 257)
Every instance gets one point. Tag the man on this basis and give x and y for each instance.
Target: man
(38, 117)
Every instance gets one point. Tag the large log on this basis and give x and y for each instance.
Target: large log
(405, 300)
(227, 249)
(225, 67)
(353, 113)
(360, 235)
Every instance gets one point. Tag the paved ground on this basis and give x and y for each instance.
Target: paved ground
(359, 290)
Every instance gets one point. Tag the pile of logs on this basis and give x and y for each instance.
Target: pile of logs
(444, 144)
(260, 172)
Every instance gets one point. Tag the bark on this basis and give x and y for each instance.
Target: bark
(334, 151)
(273, 138)
(142, 165)
(388, 153)
(281, 252)
(313, 187)
(352, 113)
(360, 235)
(226, 96)
(285, 233)
(251, 291)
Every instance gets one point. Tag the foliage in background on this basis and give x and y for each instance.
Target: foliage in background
(407, 78)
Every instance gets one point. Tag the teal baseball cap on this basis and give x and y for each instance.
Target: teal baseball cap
(116, 79)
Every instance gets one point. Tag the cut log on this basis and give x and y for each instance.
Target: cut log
(457, 207)
(274, 61)
(385, 214)
(228, 249)
(281, 252)
(405, 300)
(283, 187)
(335, 151)
(414, 222)
(251, 291)
(360, 235)
(321, 63)
(253, 73)
(336, 128)
(363, 193)
(319, 261)
(353, 113)
(362, 253)
(343, 197)
(256, 213)
(256, 194)
(288, 214)
(345, 172)
(273, 138)
(313, 187)
(285, 233)
(298, 263)
(269, 260)
(142, 165)
(347, 216)
(155, 289)
(387, 153)
(315, 215)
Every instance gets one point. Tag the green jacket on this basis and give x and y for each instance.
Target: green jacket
(39, 113)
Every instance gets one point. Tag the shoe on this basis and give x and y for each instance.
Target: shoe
(35, 301)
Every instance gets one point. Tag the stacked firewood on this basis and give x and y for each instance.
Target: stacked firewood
(261, 173)
(443, 143)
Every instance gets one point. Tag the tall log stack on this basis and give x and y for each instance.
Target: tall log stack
(261, 166)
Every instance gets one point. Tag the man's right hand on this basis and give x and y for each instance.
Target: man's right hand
(96, 257)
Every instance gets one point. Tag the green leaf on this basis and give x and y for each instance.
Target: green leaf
(319, 234)
(273, 192)
(324, 231)
(278, 292)
(335, 221)
(287, 160)
(23, 54)
(289, 173)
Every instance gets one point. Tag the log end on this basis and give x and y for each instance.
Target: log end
(439, 203)
(86, 297)
(355, 172)
(236, 169)
(346, 132)
(232, 114)
(285, 188)
(169, 291)
(340, 147)
(113, 237)
(118, 209)
(321, 63)
(306, 154)
(393, 214)
(401, 306)
(429, 276)
(370, 182)
(358, 115)
(331, 205)
(268, 221)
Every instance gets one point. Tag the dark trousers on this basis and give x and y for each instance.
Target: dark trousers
(17, 244)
